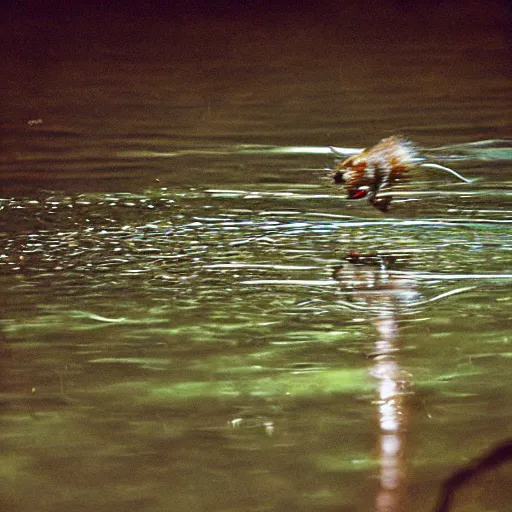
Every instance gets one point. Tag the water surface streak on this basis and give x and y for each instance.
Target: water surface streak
(196, 318)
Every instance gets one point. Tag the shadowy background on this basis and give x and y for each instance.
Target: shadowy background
(198, 73)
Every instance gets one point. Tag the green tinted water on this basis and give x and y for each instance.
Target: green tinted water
(181, 329)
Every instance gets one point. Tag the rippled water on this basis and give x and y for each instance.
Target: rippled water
(195, 318)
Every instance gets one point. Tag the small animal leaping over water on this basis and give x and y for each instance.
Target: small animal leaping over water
(380, 167)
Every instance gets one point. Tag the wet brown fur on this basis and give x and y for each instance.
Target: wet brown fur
(376, 169)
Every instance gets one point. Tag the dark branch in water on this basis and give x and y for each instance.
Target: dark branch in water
(495, 457)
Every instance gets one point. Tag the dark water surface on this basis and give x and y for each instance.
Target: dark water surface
(181, 329)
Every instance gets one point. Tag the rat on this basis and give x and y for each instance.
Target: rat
(378, 168)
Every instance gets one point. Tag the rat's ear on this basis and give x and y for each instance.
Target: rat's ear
(336, 152)
(339, 154)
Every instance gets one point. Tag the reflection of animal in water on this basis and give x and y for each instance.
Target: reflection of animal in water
(380, 167)
(372, 283)
(367, 280)
(372, 286)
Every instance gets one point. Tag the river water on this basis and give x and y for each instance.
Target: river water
(186, 323)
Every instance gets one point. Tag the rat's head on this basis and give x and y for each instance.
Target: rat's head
(352, 173)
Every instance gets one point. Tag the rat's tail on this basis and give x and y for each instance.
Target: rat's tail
(447, 169)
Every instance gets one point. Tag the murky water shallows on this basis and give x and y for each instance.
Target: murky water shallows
(182, 329)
